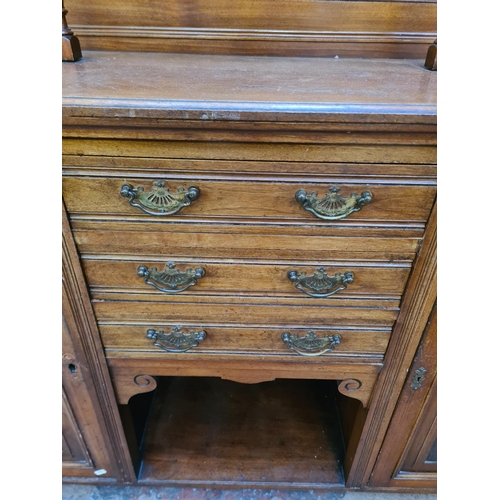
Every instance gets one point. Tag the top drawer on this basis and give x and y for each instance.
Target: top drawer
(281, 200)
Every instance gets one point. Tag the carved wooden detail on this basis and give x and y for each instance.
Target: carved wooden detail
(70, 44)
(357, 389)
(128, 385)
(129, 378)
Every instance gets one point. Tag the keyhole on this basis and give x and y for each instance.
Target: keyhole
(72, 368)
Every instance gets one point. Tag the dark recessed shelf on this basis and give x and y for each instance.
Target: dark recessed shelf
(213, 431)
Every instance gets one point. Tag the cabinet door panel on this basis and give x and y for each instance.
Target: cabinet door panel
(85, 448)
(74, 451)
(93, 441)
(408, 457)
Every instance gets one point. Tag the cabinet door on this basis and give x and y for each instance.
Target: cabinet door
(408, 457)
(84, 445)
(93, 440)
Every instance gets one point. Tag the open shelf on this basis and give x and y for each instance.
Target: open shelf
(206, 431)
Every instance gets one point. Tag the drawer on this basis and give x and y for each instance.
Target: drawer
(168, 340)
(250, 311)
(233, 241)
(367, 279)
(270, 201)
(274, 149)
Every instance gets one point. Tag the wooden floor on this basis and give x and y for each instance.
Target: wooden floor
(210, 431)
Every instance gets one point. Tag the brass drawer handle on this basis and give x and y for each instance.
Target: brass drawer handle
(175, 341)
(170, 280)
(320, 284)
(160, 201)
(333, 206)
(310, 344)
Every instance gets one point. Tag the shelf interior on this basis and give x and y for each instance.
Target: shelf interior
(213, 431)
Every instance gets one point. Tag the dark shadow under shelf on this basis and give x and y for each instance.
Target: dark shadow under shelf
(206, 431)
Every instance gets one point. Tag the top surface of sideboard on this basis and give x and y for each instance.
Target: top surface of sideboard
(205, 87)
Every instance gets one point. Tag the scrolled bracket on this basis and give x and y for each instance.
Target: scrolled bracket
(127, 384)
(349, 385)
(170, 280)
(176, 341)
(160, 201)
(332, 206)
(310, 344)
(320, 285)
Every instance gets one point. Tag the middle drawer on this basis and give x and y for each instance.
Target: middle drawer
(162, 276)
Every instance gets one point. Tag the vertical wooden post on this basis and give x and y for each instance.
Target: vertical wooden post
(70, 45)
(431, 61)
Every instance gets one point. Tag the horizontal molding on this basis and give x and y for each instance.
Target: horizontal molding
(335, 263)
(237, 110)
(139, 294)
(355, 356)
(404, 225)
(253, 35)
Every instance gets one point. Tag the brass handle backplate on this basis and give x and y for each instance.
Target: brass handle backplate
(176, 340)
(170, 280)
(333, 206)
(320, 284)
(310, 344)
(160, 201)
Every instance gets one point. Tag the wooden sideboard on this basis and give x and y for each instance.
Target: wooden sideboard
(249, 247)
(192, 226)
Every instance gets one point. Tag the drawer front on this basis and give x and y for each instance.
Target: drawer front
(275, 149)
(367, 279)
(227, 340)
(242, 242)
(252, 312)
(249, 200)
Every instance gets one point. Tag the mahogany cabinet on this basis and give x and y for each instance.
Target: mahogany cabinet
(250, 248)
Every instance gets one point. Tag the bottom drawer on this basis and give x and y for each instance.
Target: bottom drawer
(164, 341)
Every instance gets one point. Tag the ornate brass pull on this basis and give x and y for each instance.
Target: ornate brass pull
(175, 341)
(333, 206)
(310, 344)
(170, 280)
(160, 201)
(320, 284)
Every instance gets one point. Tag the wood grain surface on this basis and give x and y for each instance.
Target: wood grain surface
(231, 151)
(251, 131)
(119, 340)
(227, 433)
(251, 312)
(255, 242)
(244, 279)
(248, 198)
(300, 27)
(240, 87)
